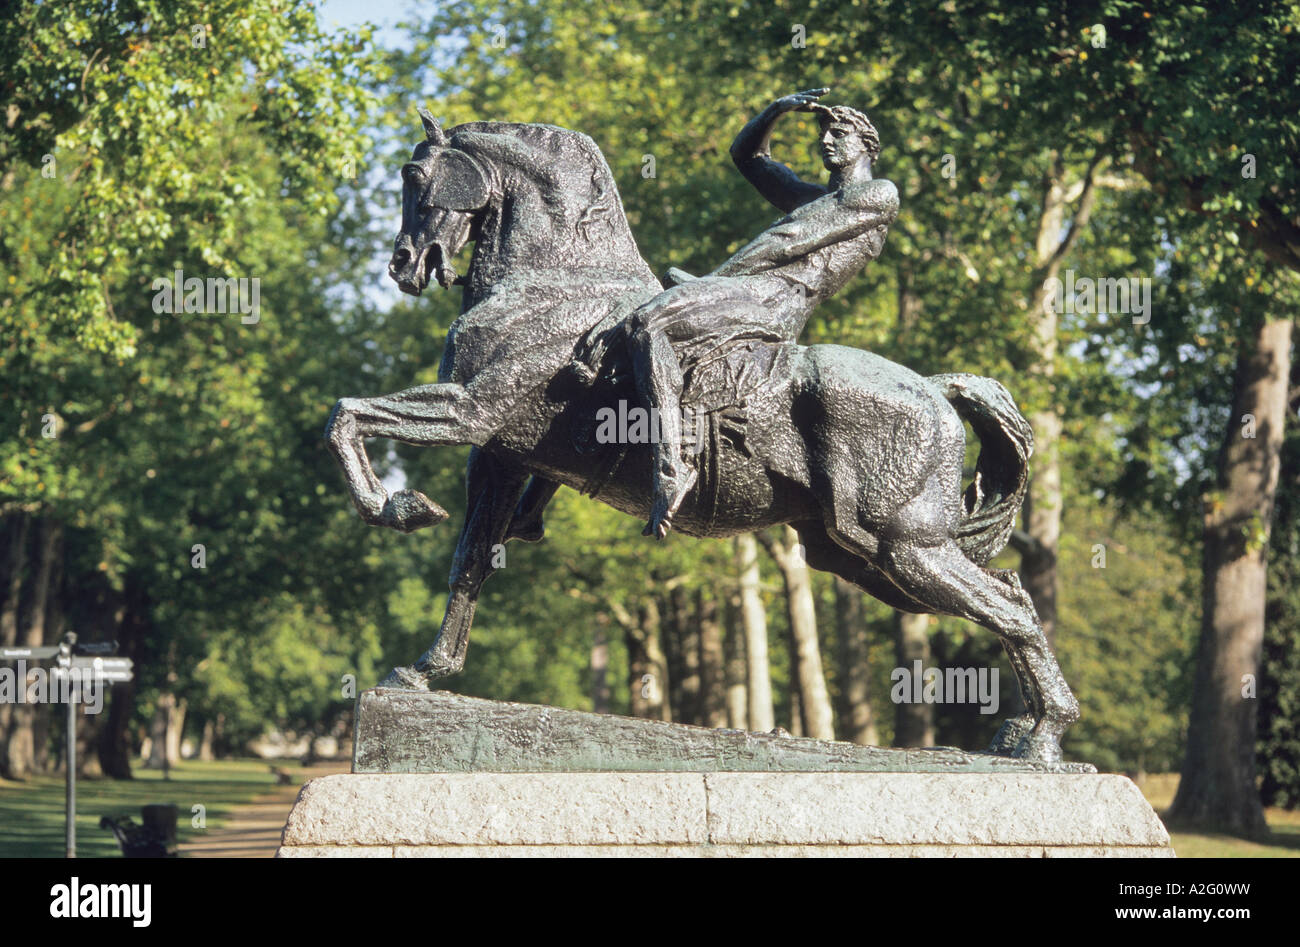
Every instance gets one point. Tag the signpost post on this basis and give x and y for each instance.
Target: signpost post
(70, 755)
(75, 664)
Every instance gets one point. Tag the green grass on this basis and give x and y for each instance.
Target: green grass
(1159, 789)
(31, 812)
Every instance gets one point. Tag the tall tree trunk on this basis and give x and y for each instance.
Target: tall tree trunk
(654, 690)
(15, 532)
(647, 666)
(53, 621)
(809, 680)
(166, 732)
(686, 644)
(176, 731)
(734, 666)
(205, 742)
(913, 722)
(713, 697)
(1040, 541)
(16, 529)
(23, 728)
(673, 656)
(796, 705)
(161, 755)
(1218, 789)
(753, 618)
(600, 667)
(220, 745)
(857, 719)
(115, 736)
(88, 727)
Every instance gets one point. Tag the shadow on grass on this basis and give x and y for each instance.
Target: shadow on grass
(32, 812)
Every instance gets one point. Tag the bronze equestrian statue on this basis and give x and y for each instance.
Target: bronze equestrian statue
(561, 320)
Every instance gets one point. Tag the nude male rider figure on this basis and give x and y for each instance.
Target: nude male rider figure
(830, 233)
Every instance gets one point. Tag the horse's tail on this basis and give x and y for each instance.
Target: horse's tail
(994, 497)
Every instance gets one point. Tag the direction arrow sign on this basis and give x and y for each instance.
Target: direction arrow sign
(112, 670)
(14, 654)
(102, 648)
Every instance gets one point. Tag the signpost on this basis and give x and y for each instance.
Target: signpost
(75, 664)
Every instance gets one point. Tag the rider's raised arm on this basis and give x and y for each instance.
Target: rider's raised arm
(752, 153)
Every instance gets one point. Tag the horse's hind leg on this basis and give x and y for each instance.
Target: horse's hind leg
(1008, 610)
(1014, 729)
(927, 515)
(827, 555)
(836, 557)
(494, 488)
(526, 523)
(940, 576)
(846, 560)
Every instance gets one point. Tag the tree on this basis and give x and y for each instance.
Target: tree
(154, 440)
(857, 718)
(753, 619)
(1218, 786)
(807, 680)
(1158, 89)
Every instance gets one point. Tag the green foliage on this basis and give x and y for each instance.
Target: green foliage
(1127, 628)
(224, 159)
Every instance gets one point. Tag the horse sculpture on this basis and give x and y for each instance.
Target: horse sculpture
(863, 457)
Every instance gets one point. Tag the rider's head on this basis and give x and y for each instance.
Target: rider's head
(847, 135)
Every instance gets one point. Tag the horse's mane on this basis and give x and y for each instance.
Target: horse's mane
(602, 205)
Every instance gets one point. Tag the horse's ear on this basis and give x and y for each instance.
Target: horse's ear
(432, 130)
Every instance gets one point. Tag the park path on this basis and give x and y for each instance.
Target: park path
(253, 830)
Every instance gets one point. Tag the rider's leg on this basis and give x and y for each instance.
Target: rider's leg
(659, 382)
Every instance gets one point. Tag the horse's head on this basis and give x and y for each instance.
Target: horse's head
(443, 191)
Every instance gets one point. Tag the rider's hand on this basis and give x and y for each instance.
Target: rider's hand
(799, 102)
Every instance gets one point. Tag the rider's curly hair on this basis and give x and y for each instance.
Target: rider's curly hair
(830, 114)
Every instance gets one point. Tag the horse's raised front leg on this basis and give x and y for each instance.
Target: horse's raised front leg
(424, 415)
(494, 489)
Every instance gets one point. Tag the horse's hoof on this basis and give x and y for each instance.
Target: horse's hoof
(409, 510)
(528, 532)
(1013, 730)
(1038, 748)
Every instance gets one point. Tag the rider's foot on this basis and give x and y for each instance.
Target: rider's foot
(669, 494)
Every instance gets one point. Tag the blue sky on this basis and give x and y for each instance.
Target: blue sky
(382, 13)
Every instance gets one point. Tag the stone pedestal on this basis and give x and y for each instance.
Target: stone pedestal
(449, 776)
(722, 814)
